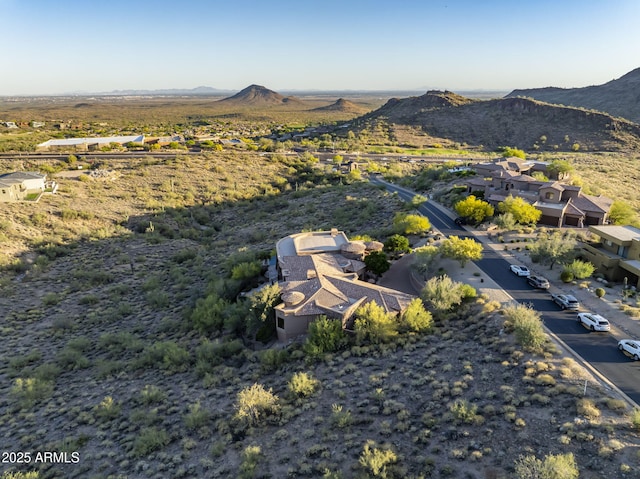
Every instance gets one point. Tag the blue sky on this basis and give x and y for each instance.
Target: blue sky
(65, 46)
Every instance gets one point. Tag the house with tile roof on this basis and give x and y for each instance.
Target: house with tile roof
(561, 204)
(320, 275)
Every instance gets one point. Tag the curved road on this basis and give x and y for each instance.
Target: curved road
(598, 349)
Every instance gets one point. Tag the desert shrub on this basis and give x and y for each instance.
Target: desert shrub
(635, 419)
(166, 355)
(213, 353)
(324, 336)
(254, 404)
(250, 457)
(302, 384)
(29, 391)
(416, 318)
(272, 359)
(600, 292)
(340, 417)
(374, 325)
(587, 408)
(246, 270)
(108, 409)
(376, 460)
(209, 314)
(442, 294)
(20, 475)
(196, 418)
(150, 439)
(151, 394)
(580, 269)
(554, 466)
(566, 276)
(463, 411)
(527, 326)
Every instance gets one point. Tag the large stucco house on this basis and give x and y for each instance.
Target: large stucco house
(561, 204)
(616, 254)
(319, 274)
(18, 185)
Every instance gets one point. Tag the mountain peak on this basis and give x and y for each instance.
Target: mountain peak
(256, 94)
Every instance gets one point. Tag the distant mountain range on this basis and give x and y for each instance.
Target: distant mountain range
(201, 90)
(519, 122)
(619, 97)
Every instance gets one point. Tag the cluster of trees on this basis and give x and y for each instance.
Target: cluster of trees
(514, 210)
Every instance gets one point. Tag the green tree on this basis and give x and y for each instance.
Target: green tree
(461, 249)
(527, 326)
(374, 325)
(474, 209)
(404, 223)
(442, 294)
(559, 168)
(377, 262)
(622, 213)
(552, 248)
(508, 151)
(505, 221)
(324, 336)
(261, 322)
(417, 200)
(415, 318)
(523, 213)
(397, 244)
(424, 259)
(580, 269)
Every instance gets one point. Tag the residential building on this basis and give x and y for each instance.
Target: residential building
(320, 275)
(18, 185)
(560, 204)
(617, 253)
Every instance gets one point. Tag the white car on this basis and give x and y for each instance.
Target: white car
(520, 270)
(630, 347)
(594, 322)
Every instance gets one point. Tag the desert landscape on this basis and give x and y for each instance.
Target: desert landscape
(138, 328)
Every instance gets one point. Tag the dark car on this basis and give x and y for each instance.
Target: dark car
(460, 221)
(538, 282)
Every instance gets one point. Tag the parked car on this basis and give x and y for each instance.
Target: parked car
(520, 270)
(566, 301)
(630, 347)
(538, 282)
(594, 322)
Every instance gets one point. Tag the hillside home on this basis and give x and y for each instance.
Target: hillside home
(560, 204)
(18, 185)
(320, 275)
(617, 253)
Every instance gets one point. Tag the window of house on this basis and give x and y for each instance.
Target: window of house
(608, 242)
(280, 322)
(549, 195)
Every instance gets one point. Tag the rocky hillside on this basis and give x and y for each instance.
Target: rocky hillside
(520, 122)
(257, 95)
(343, 106)
(620, 97)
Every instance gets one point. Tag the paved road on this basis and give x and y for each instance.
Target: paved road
(598, 349)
